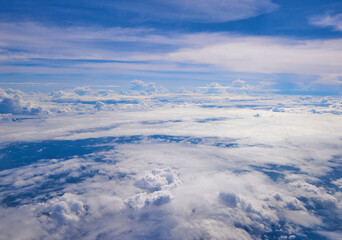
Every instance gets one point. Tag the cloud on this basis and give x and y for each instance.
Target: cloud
(30, 225)
(141, 52)
(11, 103)
(157, 198)
(338, 183)
(238, 83)
(303, 218)
(200, 10)
(329, 20)
(330, 79)
(78, 92)
(100, 106)
(141, 87)
(65, 210)
(157, 184)
(214, 88)
(237, 86)
(158, 179)
(86, 43)
(267, 55)
(331, 234)
(199, 55)
(157, 170)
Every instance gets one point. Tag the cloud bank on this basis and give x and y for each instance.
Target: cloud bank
(172, 166)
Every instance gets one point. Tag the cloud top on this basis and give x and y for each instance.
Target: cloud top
(11, 102)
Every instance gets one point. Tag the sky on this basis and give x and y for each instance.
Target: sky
(287, 47)
(182, 119)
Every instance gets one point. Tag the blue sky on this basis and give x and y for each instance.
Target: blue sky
(282, 46)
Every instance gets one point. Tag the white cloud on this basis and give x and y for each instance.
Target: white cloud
(200, 10)
(65, 210)
(238, 86)
(30, 225)
(338, 182)
(192, 53)
(158, 179)
(238, 83)
(267, 55)
(156, 198)
(141, 87)
(11, 102)
(330, 79)
(329, 20)
(332, 235)
(214, 88)
(189, 166)
(303, 218)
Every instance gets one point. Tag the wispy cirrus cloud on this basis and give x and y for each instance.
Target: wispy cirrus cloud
(34, 48)
(197, 10)
(329, 20)
(105, 12)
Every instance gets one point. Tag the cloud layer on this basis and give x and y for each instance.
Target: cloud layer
(172, 166)
(142, 52)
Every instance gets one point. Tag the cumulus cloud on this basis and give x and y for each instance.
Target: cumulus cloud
(237, 86)
(65, 210)
(158, 179)
(141, 87)
(157, 185)
(214, 88)
(143, 199)
(11, 102)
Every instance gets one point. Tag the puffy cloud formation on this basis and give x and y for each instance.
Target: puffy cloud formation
(157, 183)
(11, 102)
(156, 198)
(214, 88)
(138, 86)
(158, 179)
(238, 86)
(65, 210)
(173, 166)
